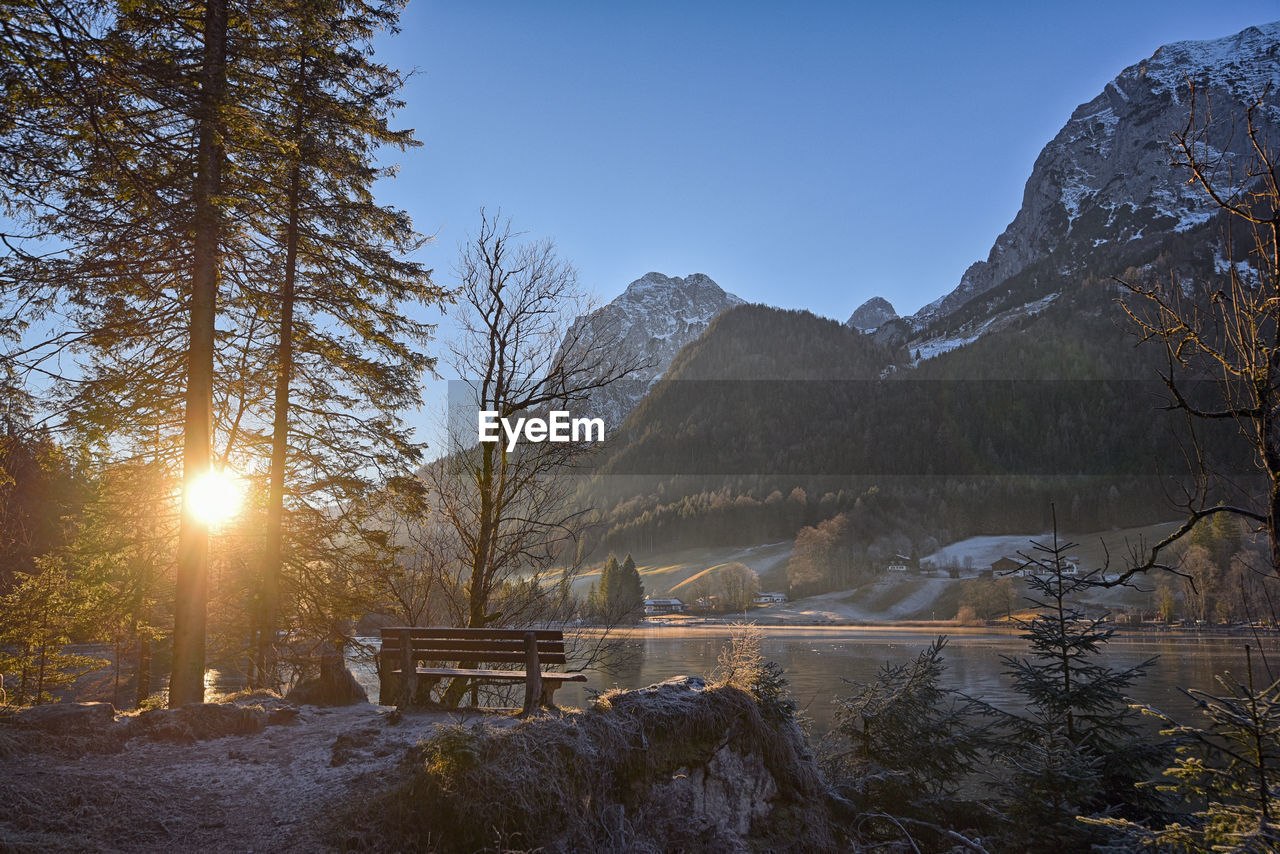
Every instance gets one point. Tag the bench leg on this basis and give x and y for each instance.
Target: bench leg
(408, 688)
(534, 687)
(389, 688)
(408, 669)
(549, 687)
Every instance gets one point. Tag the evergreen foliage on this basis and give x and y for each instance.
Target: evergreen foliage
(902, 747)
(630, 589)
(741, 664)
(1078, 751)
(41, 492)
(1225, 777)
(609, 587)
(1054, 406)
(39, 617)
(196, 183)
(620, 595)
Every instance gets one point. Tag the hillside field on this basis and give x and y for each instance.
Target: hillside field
(896, 597)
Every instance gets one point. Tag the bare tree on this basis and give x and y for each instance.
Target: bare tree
(739, 584)
(519, 354)
(1225, 339)
(415, 588)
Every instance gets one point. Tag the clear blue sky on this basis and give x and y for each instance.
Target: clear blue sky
(802, 155)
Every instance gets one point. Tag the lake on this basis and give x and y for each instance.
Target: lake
(818, 660)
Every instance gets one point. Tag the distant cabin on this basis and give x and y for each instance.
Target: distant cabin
(1070, 566)
(655, 607)
(769, 598)
(706, 604)
(1005, 566)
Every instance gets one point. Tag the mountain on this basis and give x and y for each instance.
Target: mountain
(654, 317)
(1018, 391)
(871, 315)
(776, 419)
(1102, 194)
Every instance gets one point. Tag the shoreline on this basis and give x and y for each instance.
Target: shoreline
(724, 626)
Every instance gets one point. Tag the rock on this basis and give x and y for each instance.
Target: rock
(68, 718)
(892, 333)
(871, 315)
(722, 798)
(675, 766)
(282, 715)
(335, 686)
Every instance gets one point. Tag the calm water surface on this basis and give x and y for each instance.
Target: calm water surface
(819, 661)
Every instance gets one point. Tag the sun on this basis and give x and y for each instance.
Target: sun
(214, 497)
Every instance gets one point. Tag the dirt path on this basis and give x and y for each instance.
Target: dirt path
(271, 791)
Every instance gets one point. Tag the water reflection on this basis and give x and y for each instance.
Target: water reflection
(820, 662)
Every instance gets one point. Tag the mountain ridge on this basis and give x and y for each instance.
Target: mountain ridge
(654, 317)
(1105, 177)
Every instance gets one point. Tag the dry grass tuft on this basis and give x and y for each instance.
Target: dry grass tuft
(193, 723)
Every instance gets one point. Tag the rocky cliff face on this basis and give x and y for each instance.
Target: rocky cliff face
(1106, 178)
(871, 315)
(654, 317)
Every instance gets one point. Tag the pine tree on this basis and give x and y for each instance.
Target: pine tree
(1078, 751)
(1225, 775)
(39, 618)
(212, 184)
(903, 747)
(122, 554)
(346, 358)
(41, 489)
(630, 590)
(609, 588)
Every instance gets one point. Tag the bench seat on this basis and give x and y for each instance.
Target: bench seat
(406, 681)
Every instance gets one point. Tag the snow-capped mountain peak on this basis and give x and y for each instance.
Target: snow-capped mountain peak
(1103, 188)
(653, 318)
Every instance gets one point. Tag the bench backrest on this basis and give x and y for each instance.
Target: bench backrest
(496, 645)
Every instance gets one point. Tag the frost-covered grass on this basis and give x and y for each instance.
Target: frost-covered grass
(1092, 549)
(641, 771)
(663, 572)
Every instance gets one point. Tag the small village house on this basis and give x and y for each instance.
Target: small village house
(1005, 566)
(654, 607)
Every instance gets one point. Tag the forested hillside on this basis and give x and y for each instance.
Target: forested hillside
(774, 420)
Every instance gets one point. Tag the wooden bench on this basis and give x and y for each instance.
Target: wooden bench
(406, 680)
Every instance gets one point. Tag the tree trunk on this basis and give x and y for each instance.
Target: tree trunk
(478, 598)
(117, 651)
(144, 667)
(186, 682)
(273, 546)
